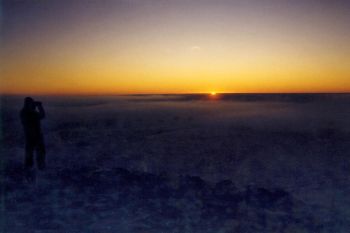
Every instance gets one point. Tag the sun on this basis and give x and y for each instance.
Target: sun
(213, 93)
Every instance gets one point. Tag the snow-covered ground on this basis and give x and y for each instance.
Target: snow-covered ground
(182, 163)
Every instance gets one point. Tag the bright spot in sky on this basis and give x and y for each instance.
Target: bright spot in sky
(196, 48)
(213, 93)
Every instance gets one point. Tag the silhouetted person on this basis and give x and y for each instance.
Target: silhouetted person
(31, 115)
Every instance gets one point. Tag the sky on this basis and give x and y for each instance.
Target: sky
(174, 46)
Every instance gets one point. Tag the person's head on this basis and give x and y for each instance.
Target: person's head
(29, 103)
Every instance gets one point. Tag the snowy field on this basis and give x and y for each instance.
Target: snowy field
(181, 164)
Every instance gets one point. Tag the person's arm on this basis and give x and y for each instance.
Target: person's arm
(41, 110)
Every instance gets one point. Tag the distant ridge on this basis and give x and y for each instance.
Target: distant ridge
(274, 97)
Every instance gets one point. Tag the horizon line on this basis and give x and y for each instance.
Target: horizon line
(184, 93)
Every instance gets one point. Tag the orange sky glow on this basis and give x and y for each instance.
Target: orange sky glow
(128, 47)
